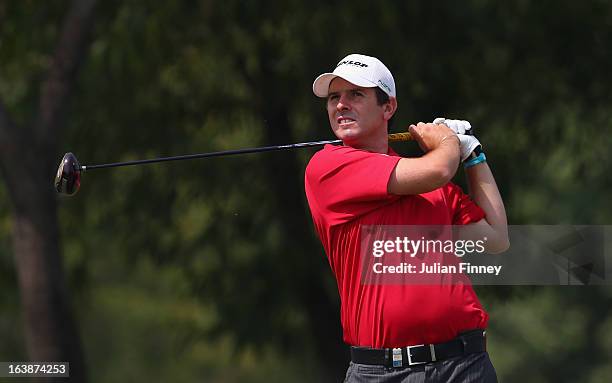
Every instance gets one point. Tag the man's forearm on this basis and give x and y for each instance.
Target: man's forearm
(426, 173)
(484, 191)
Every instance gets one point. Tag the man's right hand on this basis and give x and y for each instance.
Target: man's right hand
(430, 136)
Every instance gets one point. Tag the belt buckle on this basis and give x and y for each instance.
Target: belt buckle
(410, 362)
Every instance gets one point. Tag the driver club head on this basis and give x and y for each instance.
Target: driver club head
(68, 177)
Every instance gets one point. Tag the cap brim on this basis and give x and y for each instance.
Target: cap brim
(320, 86)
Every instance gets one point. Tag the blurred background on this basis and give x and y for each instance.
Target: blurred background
(210, 270)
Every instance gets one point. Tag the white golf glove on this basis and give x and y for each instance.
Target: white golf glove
(463, 129)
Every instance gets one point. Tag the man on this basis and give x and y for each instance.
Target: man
(400, 332)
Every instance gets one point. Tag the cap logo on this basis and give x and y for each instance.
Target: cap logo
(354, 63)
(384, 85)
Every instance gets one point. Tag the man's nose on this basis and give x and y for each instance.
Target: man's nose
(343, 103)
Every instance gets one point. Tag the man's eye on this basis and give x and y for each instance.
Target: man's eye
(333, 97)
(357, 93)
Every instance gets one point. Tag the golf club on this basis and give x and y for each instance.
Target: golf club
(68, 177)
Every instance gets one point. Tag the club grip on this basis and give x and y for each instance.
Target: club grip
(398, 137)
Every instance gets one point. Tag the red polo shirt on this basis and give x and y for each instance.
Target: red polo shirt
(347, 188)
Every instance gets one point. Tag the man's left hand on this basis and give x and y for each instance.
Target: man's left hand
(463, 129)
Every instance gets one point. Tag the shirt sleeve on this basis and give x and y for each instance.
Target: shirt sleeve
(343, 183)
(465, 211)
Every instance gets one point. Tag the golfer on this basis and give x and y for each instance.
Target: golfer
(400, 332)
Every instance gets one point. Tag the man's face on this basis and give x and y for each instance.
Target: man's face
(354, 114)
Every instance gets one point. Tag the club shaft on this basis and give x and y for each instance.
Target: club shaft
(392, 138)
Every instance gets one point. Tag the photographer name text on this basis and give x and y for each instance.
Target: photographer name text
(435, 268)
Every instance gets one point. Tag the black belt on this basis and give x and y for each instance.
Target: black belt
(469, 342)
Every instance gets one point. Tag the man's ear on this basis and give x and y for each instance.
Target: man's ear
(390, 107)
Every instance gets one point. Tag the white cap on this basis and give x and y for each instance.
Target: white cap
(361, 70)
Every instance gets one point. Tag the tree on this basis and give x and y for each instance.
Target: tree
(27, 157)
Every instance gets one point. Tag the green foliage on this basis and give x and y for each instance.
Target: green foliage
(28, 33)
(554, 326)
(210, 269)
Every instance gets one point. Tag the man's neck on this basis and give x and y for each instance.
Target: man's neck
(378, 144)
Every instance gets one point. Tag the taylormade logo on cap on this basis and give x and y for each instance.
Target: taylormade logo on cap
(361, 70)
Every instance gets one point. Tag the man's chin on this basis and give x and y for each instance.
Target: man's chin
(346, 133)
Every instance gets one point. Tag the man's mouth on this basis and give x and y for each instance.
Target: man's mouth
(344, 120)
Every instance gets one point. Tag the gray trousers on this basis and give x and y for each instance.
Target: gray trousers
(470, 368)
